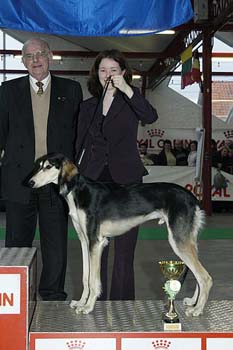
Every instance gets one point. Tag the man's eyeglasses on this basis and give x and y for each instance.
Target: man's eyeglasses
(37, 55)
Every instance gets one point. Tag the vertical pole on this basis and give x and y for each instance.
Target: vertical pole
(143, 87)
(4, 56)
(207, 119)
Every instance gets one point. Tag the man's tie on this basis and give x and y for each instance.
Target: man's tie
(40, 86)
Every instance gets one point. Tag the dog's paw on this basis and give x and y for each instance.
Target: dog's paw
(79, 310)
(188, 301)
(75, 303)
(193, 311)
(161, 221)
(85, 309)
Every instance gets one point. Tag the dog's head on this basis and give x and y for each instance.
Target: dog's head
(52, 168)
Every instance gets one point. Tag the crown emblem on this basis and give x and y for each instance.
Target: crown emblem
(228, 134)
(75, 344)
(155, 132)
(161, 344)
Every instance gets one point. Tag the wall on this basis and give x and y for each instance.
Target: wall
(178, 118)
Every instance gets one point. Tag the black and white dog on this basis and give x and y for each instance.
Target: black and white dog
(102, 210)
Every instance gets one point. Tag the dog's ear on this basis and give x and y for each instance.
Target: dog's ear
(66, 179)
(56, 159)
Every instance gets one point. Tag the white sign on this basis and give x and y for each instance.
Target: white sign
(161, 344)
(9, 293)
(185, 176)
(219, 343)
(76, 344)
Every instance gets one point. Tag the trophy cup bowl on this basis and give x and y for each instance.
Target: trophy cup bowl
(172, 271)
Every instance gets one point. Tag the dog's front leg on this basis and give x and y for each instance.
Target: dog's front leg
(86, 274)
(95, 280)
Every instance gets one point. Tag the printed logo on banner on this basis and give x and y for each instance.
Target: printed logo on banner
(228, 134)
(152, 138)
(147, 343)
(10, 294)
(155, 132)
(161, 344)
(75, 344)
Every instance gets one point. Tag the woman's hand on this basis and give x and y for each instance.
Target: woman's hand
(118, 81)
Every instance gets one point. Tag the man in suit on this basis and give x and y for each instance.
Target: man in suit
(38, 115)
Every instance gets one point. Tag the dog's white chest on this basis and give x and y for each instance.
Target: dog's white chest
(78, 216)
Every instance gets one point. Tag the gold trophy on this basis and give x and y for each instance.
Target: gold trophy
(172, 271)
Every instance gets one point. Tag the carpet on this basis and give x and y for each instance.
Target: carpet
(158, 233)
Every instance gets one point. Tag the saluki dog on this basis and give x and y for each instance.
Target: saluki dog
(103, 210)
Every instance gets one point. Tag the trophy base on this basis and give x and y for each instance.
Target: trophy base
(171, 325)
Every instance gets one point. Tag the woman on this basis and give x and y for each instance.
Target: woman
(107, 151)
(223, 159)
(192, 156)
(166, 156)
(145, 157)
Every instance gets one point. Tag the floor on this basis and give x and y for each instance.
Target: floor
(216, 256)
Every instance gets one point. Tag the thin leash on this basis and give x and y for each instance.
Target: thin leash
(82, 149)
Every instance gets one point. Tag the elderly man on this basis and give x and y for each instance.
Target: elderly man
(38, 115)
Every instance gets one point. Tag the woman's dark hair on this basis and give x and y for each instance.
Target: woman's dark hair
(194, 142)
(167, 141)
(93, 83)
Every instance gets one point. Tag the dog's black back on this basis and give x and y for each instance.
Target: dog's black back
(116, 202)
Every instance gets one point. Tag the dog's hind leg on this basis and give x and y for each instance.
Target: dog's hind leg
(96, 250)
(193, 300)
(86, 272)
(187, 251)
(189, 255)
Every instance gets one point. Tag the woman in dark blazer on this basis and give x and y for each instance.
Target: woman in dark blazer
(107, 151)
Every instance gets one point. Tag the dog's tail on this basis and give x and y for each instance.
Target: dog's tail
(198, 221)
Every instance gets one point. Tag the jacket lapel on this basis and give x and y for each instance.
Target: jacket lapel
(24, 103)
(58, 96)
(115, 108)
(94, 111)
(23, 95)
(53, 97)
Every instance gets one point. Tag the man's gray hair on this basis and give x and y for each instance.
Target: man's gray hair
(42, 41)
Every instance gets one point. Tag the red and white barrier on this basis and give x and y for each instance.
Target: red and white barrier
(17, 296)
(131, 341)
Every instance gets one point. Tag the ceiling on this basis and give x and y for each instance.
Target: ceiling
(153, 56)
(142, 50)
